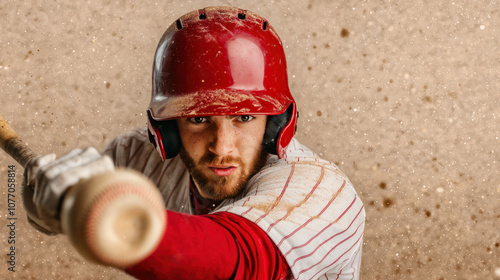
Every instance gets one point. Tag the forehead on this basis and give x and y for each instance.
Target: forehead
(225, 116)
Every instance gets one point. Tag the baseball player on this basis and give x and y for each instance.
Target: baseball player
(244, 199)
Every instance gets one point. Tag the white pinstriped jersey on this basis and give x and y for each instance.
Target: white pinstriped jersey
(306, 205)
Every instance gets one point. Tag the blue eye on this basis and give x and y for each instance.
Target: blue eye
(245, 118)
(198, 120)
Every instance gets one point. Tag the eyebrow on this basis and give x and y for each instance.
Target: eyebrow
(227, 116)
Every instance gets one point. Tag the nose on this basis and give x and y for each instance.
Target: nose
(224, 139)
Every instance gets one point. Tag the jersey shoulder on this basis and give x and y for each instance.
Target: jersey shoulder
(128, 147)
(133, 150)
(310, 210)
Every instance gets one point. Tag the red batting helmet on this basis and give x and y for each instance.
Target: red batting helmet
(220, 61)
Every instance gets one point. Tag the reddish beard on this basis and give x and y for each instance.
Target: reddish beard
(221, 187)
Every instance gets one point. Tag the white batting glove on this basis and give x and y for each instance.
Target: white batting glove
(46, 179)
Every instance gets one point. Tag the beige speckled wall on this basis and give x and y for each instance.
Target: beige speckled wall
(402, 95)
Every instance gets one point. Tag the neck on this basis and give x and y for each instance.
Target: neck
(200, 204)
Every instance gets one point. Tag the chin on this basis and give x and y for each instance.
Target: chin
(221, 191)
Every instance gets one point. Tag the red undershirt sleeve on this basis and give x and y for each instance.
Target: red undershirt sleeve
(215, 246)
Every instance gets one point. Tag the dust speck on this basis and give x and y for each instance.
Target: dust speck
(388, 202)
(344, 33)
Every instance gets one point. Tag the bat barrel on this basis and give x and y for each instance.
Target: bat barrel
(116, 218)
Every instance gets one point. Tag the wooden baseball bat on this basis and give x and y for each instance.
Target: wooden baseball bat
(116, 218)
(11, 143)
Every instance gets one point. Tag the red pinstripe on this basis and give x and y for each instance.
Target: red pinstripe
(156, 167)
(326, 267)
(308, 255)
(137, 151)
(141, 132)
(278, 199)
(146, 163)
(303, 201)
(229, 208)
(134, 154)
(164, 170)
(248, 199)
(338, 275)
(352, 265)
(318, 215)
(353, 271)
(246, 212)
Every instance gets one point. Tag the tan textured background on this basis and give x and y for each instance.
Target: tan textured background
(402, 95)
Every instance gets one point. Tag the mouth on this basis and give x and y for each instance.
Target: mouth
(222, 170)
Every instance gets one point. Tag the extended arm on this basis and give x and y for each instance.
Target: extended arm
(215, 246)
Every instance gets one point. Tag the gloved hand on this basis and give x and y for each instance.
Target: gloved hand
(46, 179)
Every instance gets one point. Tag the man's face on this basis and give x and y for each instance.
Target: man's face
(222, 152)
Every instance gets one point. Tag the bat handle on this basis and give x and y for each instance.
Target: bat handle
(12, 144)
(18, 151)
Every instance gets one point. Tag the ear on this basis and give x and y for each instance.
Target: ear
(170, 137)
(165, 137)
(288, 131)
(279, 131)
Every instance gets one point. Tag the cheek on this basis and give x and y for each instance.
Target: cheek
(259, 131)
(194, 147)
(192, 144)
(251, 141)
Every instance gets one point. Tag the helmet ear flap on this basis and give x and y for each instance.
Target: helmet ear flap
(165, 137)
(274, 140)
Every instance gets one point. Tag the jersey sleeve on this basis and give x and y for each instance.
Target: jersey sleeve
(312, 213)
(133, 150)
(215, 246)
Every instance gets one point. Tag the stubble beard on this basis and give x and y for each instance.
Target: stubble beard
(222, 187)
